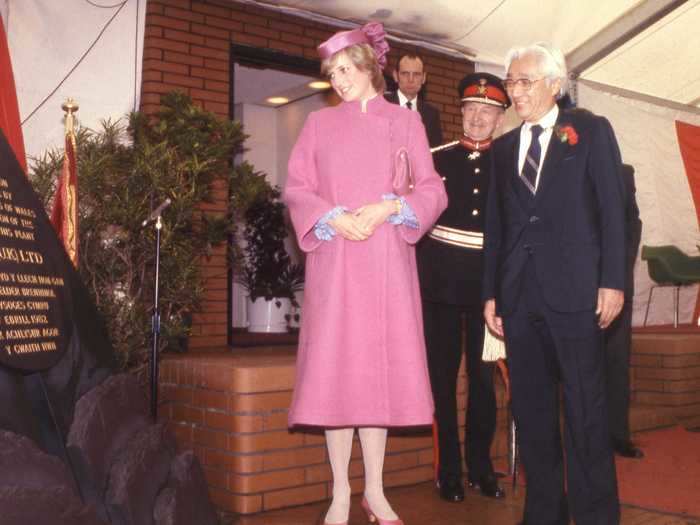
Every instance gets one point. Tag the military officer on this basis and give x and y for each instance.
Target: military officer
(450, 270)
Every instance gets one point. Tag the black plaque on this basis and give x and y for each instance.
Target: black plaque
(34, 295)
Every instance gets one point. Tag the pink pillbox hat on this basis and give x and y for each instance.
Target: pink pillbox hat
(371, 33)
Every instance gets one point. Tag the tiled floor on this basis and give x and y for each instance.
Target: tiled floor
(420, 505)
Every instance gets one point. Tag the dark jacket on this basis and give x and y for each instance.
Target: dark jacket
(430, 116)
(452, 274)
(572, 230)
(634, 227)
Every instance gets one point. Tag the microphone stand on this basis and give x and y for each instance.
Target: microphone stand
(155, 322)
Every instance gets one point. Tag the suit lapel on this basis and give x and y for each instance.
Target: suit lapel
(512, 173)
(555, 151)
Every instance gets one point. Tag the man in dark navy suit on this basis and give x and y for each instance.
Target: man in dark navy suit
(410, 77)
(554, 275)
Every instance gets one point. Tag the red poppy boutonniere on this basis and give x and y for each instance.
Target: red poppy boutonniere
(567, 134)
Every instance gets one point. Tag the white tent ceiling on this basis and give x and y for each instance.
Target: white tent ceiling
(644, 46)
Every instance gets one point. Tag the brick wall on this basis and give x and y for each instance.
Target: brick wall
(666, 373)
(186, 47)
(232, 410)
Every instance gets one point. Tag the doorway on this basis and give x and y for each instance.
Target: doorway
(271, 95)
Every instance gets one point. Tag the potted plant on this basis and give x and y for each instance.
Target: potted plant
(265, 268)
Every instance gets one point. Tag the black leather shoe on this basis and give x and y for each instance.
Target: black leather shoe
(451, 490)
(488, 486)
(626, 449)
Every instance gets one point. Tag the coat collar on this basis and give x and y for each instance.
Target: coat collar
(514, 178)
(555, 152)
(375, 106)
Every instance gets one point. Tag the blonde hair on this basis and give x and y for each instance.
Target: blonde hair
(364, 59)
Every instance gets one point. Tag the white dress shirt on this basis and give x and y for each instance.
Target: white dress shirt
(403, 100)
(547, 122)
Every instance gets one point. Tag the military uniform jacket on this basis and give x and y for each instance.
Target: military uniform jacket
(449, 271)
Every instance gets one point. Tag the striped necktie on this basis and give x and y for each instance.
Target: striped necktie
(532, 160)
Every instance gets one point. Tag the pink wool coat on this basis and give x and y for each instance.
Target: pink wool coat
(361, 359)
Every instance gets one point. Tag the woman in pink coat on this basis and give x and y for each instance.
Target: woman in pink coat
(361, 360)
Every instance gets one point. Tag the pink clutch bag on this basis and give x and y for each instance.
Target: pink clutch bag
(402, 177)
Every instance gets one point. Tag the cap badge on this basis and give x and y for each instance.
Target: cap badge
(482, 86)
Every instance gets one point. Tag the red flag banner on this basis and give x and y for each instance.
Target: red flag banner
(64, 215)
(9, 110)
(36, 279)
(689, 143)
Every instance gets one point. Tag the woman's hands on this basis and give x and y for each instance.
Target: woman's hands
(371, 216)
(361, 223)
(348, 227)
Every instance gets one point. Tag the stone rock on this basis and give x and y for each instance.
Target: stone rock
(81, 369)
(88, 361)
(138, 475)
(106, 420)
(24, 465)
(57, 506)
(185, 500)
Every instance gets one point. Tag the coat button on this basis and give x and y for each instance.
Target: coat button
(534, 219)
(475, 191)
(477, 170)
(475, 212)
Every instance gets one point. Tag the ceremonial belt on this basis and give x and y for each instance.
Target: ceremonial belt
(455, 237)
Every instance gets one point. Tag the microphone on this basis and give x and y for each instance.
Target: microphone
(156, 213)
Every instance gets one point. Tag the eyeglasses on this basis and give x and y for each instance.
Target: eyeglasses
(523, 83)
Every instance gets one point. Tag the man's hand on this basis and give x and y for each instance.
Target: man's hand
(494, 322)
(371, 216)
(348, 227)
(610, 303)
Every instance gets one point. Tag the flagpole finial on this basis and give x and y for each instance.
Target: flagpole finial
(70, 106)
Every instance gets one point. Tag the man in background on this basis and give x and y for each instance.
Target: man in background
(410, 77)
(618, 337)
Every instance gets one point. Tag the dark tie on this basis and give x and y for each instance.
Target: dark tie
(532, 159)
(409, 105)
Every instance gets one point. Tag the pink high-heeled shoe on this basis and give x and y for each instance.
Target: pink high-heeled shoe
(373, 518)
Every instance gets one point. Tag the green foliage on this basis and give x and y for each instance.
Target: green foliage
(265, 268)
(125, 171)
(250, 186)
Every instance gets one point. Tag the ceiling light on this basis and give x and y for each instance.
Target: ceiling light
(277, 100)
(319, 84)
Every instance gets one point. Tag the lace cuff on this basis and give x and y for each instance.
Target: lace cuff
(324, 231)
(407, 217)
